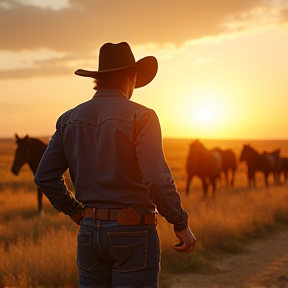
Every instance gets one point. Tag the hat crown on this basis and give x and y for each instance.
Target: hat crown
(115, 56)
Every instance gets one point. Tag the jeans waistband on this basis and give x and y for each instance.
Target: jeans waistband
(123, 216)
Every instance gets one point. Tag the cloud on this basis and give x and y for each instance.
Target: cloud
(79, 27)
(86, 24)
(44, 4)
(256, 19)
(284, 15)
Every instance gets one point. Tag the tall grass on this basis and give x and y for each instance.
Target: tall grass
(35, 251)
(41, 251)
(224, 225)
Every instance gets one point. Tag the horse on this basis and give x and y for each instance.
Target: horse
(266, 163)
(203, 163)
(275, 160)
(29, 151)
(229, 163)
(283, 169)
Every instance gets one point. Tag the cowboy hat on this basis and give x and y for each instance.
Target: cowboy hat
(119, 57)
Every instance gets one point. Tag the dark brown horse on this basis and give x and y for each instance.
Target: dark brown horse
(266, 163)
(275, 160)
(203, 163)
(283, 169)
(29, 151)
(229, 164)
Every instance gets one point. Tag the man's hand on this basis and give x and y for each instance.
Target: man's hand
(78, 216)
(187, 241)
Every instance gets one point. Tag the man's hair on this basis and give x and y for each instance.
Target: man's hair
(113, 80)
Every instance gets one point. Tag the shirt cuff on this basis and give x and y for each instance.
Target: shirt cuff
(183, 224)
(71, 208)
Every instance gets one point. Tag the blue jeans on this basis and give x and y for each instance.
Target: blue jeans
(113, 255)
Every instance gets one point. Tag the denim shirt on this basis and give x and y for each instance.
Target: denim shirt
(113, 149)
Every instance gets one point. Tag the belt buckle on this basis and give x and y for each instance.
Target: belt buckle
(128, 217)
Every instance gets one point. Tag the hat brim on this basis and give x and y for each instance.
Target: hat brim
(146, 69)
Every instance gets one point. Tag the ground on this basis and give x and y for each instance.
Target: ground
(264, 264)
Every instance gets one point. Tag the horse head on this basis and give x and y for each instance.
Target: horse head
(22, 153)
(196, 149)
(196, 146)
(246, 152)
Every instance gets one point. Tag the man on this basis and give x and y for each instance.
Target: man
(113, 149)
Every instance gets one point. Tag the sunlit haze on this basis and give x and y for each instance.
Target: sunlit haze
(223, 64)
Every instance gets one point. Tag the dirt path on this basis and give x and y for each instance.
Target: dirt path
(263, 265)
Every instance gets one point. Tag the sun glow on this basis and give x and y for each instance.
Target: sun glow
(205, 114)
(202, 107)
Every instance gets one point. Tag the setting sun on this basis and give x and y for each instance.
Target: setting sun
(205, 114)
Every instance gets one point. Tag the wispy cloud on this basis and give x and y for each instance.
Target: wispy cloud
(44, 4)
(27, 59)
(257, 18)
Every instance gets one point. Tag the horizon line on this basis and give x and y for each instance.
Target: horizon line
(181, 138)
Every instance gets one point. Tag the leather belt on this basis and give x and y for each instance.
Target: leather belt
(123, 216)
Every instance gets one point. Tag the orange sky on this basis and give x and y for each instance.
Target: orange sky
(222, 63)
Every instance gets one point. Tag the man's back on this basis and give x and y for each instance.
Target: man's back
(99, 138)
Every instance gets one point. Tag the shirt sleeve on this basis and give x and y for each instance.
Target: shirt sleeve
(155, 171)
(49, 177)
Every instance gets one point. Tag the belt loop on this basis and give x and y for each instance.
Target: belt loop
(94, 214)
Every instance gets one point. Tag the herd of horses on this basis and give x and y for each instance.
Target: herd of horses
(208, 165)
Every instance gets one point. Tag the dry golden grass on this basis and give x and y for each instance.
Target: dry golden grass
(40, 251)
(35, 251)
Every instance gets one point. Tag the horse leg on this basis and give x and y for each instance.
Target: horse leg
(226, 178)
(213, 182)
(278, 175)
(254, 180)
(189, 179)
(205, 187)
(251, 179)
(275, 177)
(232, 178)
(39, 196)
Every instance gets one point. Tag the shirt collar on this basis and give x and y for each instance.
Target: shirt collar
(109, 92)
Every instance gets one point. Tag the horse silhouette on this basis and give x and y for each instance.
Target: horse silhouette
(29, 151)
(283, 169)
(275, 160)
(267, 163)
(205, 164)
(229, 163)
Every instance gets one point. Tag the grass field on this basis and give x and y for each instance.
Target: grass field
(40, 251)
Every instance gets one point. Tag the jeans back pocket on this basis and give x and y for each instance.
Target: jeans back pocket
(130, 249)
(85, 256)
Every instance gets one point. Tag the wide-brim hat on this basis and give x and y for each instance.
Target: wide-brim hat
(118, 57)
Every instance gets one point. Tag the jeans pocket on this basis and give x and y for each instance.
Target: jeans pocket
(130, 249)
(85, 256)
